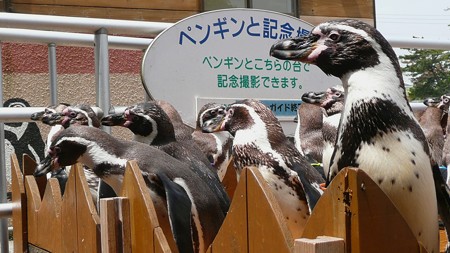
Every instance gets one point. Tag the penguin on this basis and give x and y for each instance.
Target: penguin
(331, 103)
(51, 116)
(84, 115)
(151, 125)
(444, 105)
(80, 114)
(216, 145)
(308, 138)
(259, 141)
(182, 130)
(185, 205)
(430, 121)
(378, 132)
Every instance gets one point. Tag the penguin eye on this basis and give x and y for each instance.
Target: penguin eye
(54, 150)
(230, 112)
(72, 114)
(446, 100)
(337, 94)
(334, 36)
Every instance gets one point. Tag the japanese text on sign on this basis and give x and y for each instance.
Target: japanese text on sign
(230, 27)
(255, 82)
(215, 62)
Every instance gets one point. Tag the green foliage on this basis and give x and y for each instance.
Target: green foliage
(429, 71)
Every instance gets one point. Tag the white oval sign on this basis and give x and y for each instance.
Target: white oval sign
(224, 56)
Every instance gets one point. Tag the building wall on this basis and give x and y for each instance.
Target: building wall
(313, 11)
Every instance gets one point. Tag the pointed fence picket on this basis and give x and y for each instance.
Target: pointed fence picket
(353, 215)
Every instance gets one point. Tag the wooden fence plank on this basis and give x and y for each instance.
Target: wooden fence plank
(114, 224)
(69, 215)
(109, 225)
(354, 208)
(161, 244)
(19, 214)
(29, 165)
(88, 221)
(230, 180)
(232, 235)
(33, 205)
(267, 228)
(124, 218)
(49, 218)
(143, 217)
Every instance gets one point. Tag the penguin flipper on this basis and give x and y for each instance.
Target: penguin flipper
(443, 199)
(312, 193)
(179, 210)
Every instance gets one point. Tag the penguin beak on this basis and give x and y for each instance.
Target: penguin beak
(52, 119)
(44, 166)
(37, 115)
(214, 124)
(313, 97)
(113, 120)
(297, 49)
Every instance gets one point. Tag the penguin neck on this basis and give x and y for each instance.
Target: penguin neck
(101, 161)
(155, 140)
(380, 81)
(431, 117)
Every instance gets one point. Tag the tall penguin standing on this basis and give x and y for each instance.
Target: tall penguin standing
(378, 132)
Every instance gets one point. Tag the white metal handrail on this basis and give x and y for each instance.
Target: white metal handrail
(79, 24)
(70, 39)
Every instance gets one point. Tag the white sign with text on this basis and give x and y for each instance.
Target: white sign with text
(224, 54)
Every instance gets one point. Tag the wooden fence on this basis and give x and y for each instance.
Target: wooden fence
(341, 221)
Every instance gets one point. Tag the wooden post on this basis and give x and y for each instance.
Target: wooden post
(19, 215)
(115, 225)
(354, 208)
(322, 244)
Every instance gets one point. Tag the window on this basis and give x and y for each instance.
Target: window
(283, 6)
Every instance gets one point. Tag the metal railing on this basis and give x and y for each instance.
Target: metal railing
(67, 31)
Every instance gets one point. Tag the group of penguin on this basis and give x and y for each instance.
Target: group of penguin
(371, 127)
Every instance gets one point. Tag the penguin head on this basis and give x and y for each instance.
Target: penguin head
(210, 116)
(444, 103)
(51, 115)
(80, 114)
(338, 47)
(64, 150)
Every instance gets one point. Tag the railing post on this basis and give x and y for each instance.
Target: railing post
(52, 72)
(4, 247)
(102, 72)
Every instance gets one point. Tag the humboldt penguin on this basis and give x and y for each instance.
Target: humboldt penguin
(216, 145)
(331, 103)
(51, 116)
(151, 125)
(444, 105)
(308, 138)
(182, 130)
(185, 205)
(378, 132)
(430, 121)
(259, 141)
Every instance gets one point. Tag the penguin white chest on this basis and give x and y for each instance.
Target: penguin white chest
(294, 209)
(398, 163)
